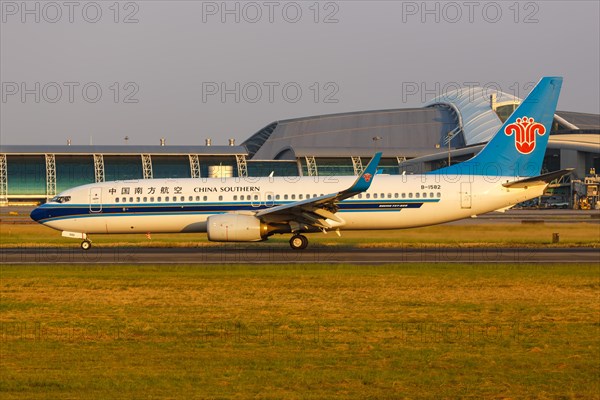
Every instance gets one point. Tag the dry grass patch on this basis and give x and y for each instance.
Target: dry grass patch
(301, 331)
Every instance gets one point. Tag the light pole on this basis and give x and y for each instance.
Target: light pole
(375, 140)
(449, 141)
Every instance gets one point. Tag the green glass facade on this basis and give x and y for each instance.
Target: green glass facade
(26, 175)
(170, 167)
(387, 166)
(278, 168)
(343, 166)
(119, 168)
(73, 171)
(331, 167)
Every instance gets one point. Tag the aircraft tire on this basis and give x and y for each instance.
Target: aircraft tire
(298, 242)
(86, 245)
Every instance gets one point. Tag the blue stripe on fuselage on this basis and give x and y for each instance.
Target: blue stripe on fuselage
(47, 212)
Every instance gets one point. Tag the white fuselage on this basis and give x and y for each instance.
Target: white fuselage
(183, 205)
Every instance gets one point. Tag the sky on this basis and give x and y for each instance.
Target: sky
(96, 72)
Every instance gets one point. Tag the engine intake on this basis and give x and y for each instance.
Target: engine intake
(236, 228)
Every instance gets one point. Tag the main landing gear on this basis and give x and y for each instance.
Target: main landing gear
(86, 245)
(298, 242)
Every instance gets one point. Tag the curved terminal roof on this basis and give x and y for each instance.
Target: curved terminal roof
(465, 117)
(473, 105)
(476, 112)
(401, 132)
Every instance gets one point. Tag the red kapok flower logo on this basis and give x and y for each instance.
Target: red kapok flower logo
(367, 177)
(525, 130)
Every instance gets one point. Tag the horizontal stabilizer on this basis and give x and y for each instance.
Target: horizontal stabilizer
(538, 180)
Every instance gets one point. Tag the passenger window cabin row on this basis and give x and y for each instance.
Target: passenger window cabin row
(271, 197)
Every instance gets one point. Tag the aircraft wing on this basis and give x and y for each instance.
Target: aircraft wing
(315, 212)
(538, 180)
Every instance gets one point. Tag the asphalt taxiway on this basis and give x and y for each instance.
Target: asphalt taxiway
(253, 254)
(256, 253)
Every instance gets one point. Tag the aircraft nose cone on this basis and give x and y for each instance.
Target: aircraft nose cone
(38, 214)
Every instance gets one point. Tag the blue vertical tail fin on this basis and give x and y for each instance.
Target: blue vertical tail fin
(518, 148)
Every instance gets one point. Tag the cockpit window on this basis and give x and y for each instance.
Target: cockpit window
(61, 199)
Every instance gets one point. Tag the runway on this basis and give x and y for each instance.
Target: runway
(253, 254)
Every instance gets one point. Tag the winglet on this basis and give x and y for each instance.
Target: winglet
(363, 182)
(324, 207)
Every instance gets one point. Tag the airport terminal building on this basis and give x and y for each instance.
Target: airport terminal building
(446, 130)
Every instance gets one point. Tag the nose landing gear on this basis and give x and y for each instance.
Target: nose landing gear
(85, 245)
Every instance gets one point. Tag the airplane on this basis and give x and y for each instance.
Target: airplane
(505, 172)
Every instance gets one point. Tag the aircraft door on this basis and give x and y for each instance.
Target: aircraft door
(95, 200)
(465, 195)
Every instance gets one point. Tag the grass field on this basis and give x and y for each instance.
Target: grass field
(493, 234)
(301, 331)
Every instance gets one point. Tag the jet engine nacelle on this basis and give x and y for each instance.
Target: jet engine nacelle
(236, 228)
